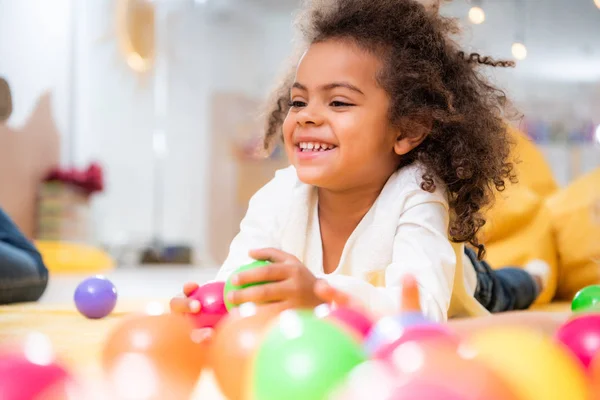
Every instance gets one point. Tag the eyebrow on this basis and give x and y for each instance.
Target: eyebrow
(330, 86)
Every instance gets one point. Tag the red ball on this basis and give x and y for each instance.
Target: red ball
(582, 336)
(23, 379)
(212, 306)
(420, 333)
(350, 319)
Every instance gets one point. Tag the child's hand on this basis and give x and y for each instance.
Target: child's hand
(289, 283)
(183, 305)
(409, 295)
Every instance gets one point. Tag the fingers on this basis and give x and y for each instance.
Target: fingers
(269, 292)
(189, 288)
(329, 294)
(183, 305)
(273, 255)
(409, 296)
(268, 273)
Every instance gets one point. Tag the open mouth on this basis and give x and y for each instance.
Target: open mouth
(305, 147)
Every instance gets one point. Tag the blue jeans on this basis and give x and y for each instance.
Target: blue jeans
(504, 289)
(23, 275)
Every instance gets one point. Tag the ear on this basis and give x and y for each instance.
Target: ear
(411, 134)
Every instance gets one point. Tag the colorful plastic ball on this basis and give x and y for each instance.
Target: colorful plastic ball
(373, 379)
(594, 376)
(303, 357)
(347, 318)
(212, 305)
(233, 346)
(587, 299)
(95, 297)
(533, 365)
(450, 371)
(229, 287)
(20, 378)
(419, 333)
(417, 390)
(582, 336)
(389, 329)
(153, 357)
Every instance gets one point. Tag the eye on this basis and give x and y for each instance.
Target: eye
(340, 104)
(297, 104)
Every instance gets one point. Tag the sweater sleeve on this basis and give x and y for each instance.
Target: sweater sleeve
(422, 249)
(260, 225)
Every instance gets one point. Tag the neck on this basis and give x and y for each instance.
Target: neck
(347, 207)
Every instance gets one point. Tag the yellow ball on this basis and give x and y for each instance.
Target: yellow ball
(531, 364)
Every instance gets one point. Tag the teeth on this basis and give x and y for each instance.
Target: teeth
(315, 146)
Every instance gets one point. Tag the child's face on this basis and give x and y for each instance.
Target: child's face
(337, 133)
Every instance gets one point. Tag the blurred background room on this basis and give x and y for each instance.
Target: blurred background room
(131, 139)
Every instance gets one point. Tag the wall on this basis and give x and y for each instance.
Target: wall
(212, 50)
(35, 55)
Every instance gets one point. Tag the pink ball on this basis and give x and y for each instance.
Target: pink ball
(212, 306)
(419, 333)
(22, 379)
(349, 318)
(418, 389)
(582, 336)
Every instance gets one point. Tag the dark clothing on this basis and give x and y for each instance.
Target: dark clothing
(504, 289)
(23, 275)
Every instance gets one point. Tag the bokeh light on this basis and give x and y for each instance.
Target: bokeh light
(477, 15)
(519, 51)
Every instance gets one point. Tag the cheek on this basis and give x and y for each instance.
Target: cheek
(288, 127)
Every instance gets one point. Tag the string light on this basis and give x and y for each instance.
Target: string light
(519, 51)
(476, 13)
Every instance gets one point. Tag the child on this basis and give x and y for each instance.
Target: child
(396, 142)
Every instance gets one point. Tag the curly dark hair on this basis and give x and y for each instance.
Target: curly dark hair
(428, 78)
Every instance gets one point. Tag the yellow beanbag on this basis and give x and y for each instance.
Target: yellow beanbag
(530, 165)
(518, 228)
(575, 214)
(518, 238)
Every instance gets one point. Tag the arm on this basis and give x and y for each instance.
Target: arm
(422, 249)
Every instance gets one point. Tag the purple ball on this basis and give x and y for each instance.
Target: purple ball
(95, 297)
(389, 329)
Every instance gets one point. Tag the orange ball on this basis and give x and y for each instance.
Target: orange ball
(233, 347)
(594, 374)
(153, 356)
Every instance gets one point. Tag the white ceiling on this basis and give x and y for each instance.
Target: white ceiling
(562, 36)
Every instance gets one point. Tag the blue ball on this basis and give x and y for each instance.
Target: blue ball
(388, 329)
(95, 297)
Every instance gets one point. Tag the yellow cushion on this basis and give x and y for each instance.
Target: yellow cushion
(575, 214)
(74, 257)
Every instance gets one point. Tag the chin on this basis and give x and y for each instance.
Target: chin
(312, 176)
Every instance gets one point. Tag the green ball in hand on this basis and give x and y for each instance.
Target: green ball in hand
(587, 299)
(303, 357)
(229, 287)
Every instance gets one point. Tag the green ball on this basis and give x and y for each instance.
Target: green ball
(229, 287)
(303, 357)
(587, 299)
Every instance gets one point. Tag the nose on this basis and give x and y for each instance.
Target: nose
(309, 115)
